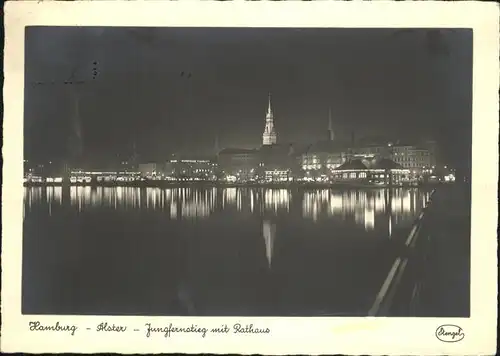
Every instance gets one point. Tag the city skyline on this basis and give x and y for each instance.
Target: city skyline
(168, 103)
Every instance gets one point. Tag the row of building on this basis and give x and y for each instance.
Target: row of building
(283, 162)
(330, 158)
(273, 160)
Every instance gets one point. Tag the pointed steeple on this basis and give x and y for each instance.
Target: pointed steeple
(269, 135)
(330, 119)
(269, 109)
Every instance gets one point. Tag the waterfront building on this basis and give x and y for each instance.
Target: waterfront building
(190, 168)
(403, 154)
(269, 136)
(417, 159)
(370, 150)
(48, 172)
(87, 177)
(277, 175)
(351, 170)
(276, 163)
(323, 156)
(150, 170)
(239, 163)
(380, 171)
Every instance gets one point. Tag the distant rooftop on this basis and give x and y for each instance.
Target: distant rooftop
(357, 164)
(386, 163)
(354, 164)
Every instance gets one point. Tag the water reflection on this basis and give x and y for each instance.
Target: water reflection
(365, 207)
(269, 234)
(194, 251)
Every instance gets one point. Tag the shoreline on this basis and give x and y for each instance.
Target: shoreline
(163, 184)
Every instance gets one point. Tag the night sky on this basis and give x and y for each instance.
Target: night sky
(172, 90)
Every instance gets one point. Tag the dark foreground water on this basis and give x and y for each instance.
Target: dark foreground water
(213, 251)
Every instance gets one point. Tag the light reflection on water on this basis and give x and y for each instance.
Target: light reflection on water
(365, 207)
(212, 246)
(399, 205)
(269, 234)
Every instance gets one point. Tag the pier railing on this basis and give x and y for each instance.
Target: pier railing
(400, 291)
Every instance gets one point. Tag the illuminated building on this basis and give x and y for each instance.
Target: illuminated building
(418, 160)
(269, 135)
(368, 151)
(149, 170)
(195, 168)
(322, 157)
(381, 171)
(275, 163)
(352, 169)
(47, 173)
(80, 177)
(277, 175)
(238, 162)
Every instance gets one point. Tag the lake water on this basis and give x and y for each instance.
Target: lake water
(210, 251)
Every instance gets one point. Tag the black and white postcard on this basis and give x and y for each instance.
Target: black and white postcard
(250, 177)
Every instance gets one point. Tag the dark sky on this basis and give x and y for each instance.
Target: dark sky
(407, 84)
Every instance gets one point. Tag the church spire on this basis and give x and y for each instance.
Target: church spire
(269, 135)
(329, 119)
(269, 110)
(331, 135)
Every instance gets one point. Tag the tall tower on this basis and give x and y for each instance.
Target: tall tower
(331, 135)
(269, 135)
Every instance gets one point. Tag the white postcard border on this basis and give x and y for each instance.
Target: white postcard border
(393, 336)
